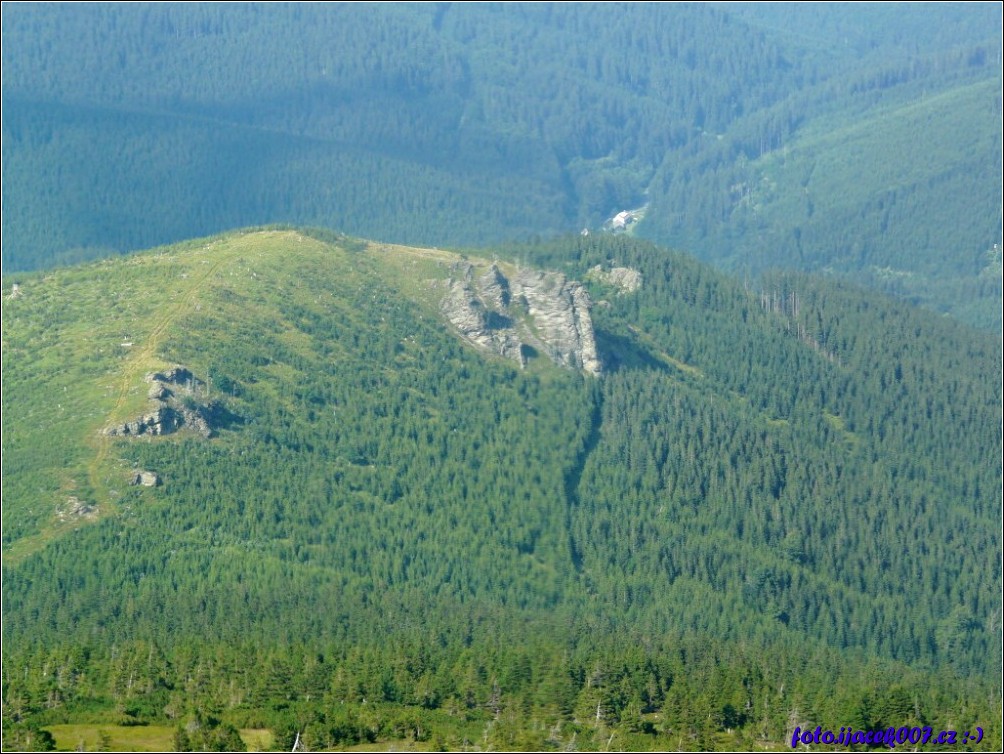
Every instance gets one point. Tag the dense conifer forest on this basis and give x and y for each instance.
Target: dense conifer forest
(777, 507)
(264, 489)
(861, 141)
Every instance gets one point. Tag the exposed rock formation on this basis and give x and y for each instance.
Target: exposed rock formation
(495, 288)
(158, 392)
(180, 377)
(163, 421)
(535, 310)
(76, 508)
(145, 478)
(560, 312)
(173, 405)
(625, 279)
(476, 318)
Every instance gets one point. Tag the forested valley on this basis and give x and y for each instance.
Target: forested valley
(778, 507)
(858, 141)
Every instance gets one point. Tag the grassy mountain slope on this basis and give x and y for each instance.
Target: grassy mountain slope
(807, 470)
(310, 330)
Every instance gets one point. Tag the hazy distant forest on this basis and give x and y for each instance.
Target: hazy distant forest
(860, 140)
(778, 506)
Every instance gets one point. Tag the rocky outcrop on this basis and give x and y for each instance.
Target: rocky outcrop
(178, 377)
(534, 311)
(145, 478)
(624, 279)
(162, 421)
(495, 289)
(479, 320)
(174, 404)
(559, 309)
(75, 508)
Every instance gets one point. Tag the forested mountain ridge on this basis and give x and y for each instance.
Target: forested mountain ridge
(467, 124)
(767, 492)
(844, 196)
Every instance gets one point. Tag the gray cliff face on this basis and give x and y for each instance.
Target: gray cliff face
(495, 289)
(479, 321)
(535, 310)
(560, 312)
